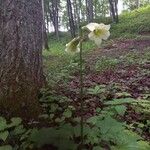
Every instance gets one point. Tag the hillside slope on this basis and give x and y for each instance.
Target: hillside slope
(132, 23)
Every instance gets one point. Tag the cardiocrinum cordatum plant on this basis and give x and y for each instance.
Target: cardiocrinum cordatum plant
(97, 33)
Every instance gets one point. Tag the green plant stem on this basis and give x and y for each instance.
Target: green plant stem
(81, 90)
(81, 78)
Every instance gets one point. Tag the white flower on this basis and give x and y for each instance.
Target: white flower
(98, 32)
(73, 46)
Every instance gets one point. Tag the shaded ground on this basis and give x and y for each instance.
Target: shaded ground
(135, 77)
(130, 78)
(119, 48)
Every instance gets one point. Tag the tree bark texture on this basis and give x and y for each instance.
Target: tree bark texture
(21, 72)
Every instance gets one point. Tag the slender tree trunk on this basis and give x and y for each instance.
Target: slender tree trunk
(71, 19)
(46, 46)
(78, 14)
(137, 3)
(45, 37)
(47, 22)
(114, 10)
(95, 8)
(21, 71)
(83, 12)
(89, 9)
(55, 17)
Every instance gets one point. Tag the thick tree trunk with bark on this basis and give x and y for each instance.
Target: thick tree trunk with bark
(21, 73)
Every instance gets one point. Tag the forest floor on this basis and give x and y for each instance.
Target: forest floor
(116, 101)
(121, 69)
(116, 94)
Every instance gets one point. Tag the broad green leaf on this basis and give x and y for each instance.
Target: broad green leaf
(15, 122)
(19, 130)
(93, 120)
(76, 130)
(121, 109)
(144, 145)
(67, 113)
(93, 135)
(65, 144)
(126, 137)
(123, 94)
(141, 145)
(56, 137)
(120, 101)
(6, 147)
(25, 135)
(109, 125)
(3, 124)
(77, 119)
(4, 135)
(97, 89)
(125, 147)
(60, 119)
(54, 107)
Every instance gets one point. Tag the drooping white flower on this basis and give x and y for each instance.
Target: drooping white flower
(98, 32)
(73, 46)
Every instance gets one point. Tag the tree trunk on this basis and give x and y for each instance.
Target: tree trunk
(95, 8)
(55, 17)
(21, 72)
(71, 19)
(45, 37)
(137, 3)
(89, 9)
(75, 14)
(77, 8)
(114, 10)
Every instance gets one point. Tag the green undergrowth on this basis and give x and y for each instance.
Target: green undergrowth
(107, 127)
(58, 64)
(57, 46)
(108, 63)
(102, 130)
(132, 23)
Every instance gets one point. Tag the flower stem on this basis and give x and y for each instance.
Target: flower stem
(81, 77)
(81, 91)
